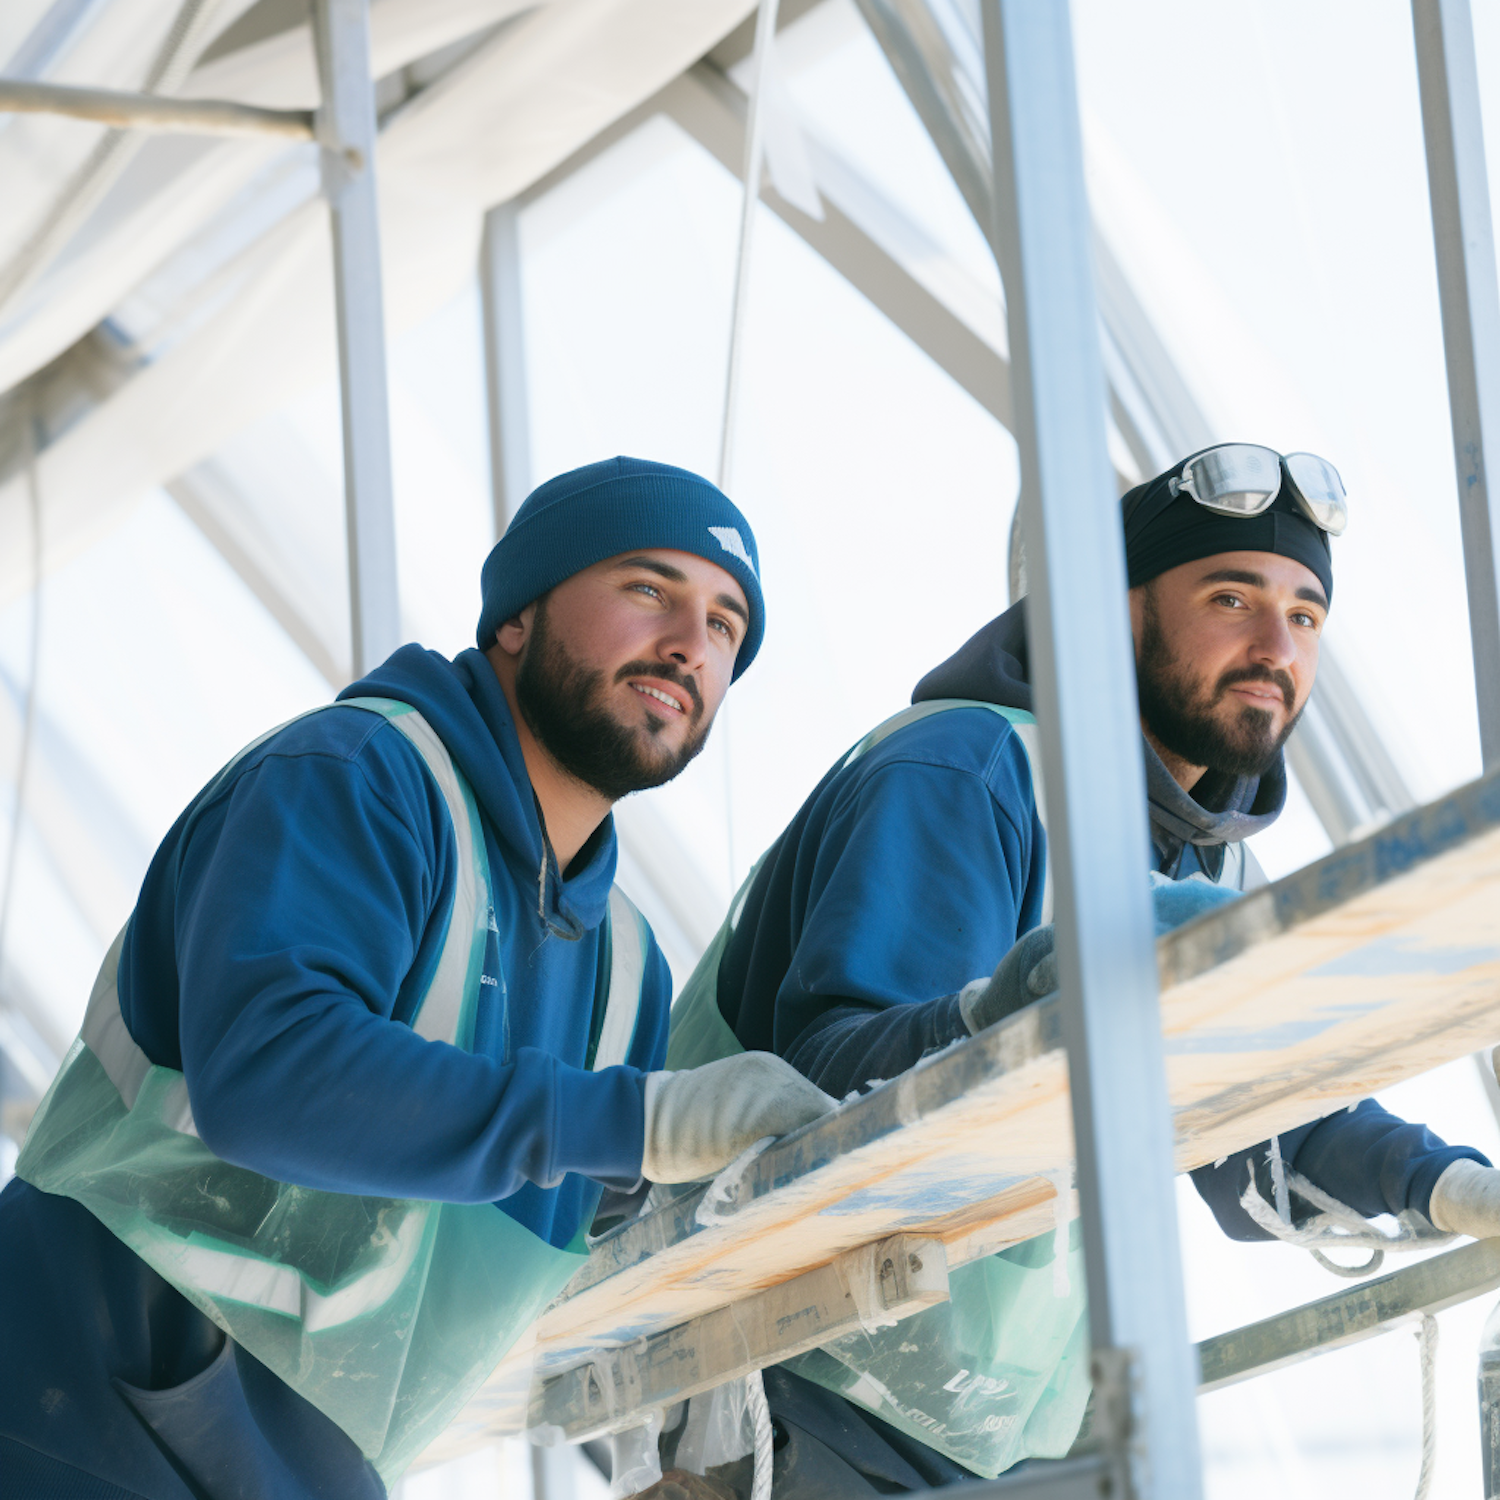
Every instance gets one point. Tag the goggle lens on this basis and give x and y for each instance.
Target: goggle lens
(1239, 479)
(1320, 490)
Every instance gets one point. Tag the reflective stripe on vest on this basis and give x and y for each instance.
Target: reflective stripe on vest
(285, 1270)
(629, 939)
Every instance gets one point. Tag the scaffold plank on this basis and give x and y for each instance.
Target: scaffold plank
(1376, 964)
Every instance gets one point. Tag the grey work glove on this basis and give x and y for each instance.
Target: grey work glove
(1027, 973)
(699, 1119)
(1466, 1200)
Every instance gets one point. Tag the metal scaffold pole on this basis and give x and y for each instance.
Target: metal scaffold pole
(1468, 292)
(1084, 678)
(346, 128)
(1465, 242)
(505, 362)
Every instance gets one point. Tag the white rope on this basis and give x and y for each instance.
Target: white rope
(1278, 1182)
(755, 151)
(1336, 1225)
(1427, 1337)
(760, 1414)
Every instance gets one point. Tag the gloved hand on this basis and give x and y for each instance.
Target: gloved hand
(1029, 971)
(1466, 1200)
(1177, 901)
(699, 1119)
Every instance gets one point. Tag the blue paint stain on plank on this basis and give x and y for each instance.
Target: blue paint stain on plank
(1388, 956)
(1270, 1038)
(922, 1198)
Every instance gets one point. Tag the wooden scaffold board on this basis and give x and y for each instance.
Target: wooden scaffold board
(1373, 965)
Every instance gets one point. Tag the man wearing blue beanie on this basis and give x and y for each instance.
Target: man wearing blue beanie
(920, 862)
(377, 1035)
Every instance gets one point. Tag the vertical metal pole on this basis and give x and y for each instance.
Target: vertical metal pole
(755, 149)
(1089, 722)
(346, 128)
(505, 362)
(552, 1471)
(1489, 1404)
(1464, 236)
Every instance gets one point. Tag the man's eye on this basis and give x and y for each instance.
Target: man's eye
(725, 627)
(647, 588)
(1303, 618)
(1230, 599)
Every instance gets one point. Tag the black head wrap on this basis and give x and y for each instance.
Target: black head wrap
(1163, 531)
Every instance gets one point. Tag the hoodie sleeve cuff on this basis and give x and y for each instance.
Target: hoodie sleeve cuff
(1424, 1179)
(599, 1129)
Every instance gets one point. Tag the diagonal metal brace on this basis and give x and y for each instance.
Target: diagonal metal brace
(886, 1281)
(1349, 1317)
(162, 112)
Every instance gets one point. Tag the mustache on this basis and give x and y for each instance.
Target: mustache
(1280, 680)
(664, 674)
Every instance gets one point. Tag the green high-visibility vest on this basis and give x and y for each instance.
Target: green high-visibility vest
(385, 1313)
(1000, 1372)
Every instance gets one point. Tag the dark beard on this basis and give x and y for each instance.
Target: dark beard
(562, 702)
(1179, 711)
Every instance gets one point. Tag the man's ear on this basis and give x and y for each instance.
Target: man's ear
(512, 636)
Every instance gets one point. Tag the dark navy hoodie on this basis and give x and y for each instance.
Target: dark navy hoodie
(284, 924)
(912, 871)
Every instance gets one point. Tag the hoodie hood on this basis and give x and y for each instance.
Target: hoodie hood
(994, 666)
(463, 701)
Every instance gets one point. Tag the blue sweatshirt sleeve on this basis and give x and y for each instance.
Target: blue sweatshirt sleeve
(1365, 1157)
(303, 895)
(921, 880)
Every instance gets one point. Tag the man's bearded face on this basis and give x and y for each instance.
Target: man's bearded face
(564, 704)
(1201, 721)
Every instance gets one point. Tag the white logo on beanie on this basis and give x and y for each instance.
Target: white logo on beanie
(728, 537)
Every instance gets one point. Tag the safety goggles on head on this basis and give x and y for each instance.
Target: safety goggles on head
(1244, 479)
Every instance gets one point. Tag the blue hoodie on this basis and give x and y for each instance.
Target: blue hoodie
(911, 872)
(284, 923)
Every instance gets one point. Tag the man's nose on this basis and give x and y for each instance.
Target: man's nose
(1274, 644)
(685, 643)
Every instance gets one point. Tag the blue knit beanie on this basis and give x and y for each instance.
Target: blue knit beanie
(601, 510)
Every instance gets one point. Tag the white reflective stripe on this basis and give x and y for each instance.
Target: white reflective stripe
(914, 715)
(105, 1034)
(376, 1287)
(224, 1273)
(177, 1111)
(627, 969)
(1031, 743)
(442, 1008)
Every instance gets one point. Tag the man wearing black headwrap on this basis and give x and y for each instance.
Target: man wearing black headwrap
(919, 862)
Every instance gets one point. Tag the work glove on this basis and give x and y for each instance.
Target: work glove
(1466, 1200)
(1174, 902)
(699, 1119)
(1029, 971)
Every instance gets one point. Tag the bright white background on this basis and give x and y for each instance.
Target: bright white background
(1259, 171)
